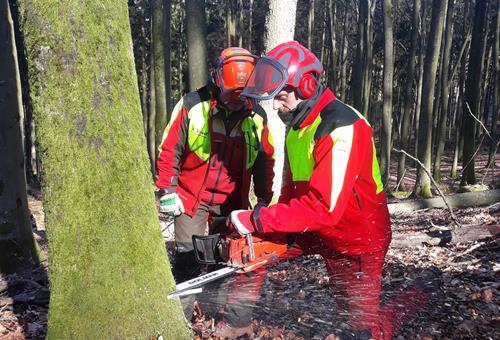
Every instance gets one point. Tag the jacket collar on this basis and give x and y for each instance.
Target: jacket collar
(312, 111)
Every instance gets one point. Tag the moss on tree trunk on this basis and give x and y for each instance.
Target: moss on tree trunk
(108, 269)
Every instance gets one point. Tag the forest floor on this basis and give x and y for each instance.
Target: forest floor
(296, 301)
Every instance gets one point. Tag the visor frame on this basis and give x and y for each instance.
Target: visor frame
(278, 67)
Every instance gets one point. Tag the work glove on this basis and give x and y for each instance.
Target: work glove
(171, 204)
(241, 221)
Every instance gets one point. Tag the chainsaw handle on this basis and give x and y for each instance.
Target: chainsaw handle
(206, 248)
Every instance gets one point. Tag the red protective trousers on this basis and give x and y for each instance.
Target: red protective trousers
(355, 283)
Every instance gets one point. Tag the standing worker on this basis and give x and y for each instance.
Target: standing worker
(211, 148)
(332, 198)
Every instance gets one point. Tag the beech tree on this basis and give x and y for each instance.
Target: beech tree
(278, 29)
(429, 81)
(109, 272)
(16, 238)
(197, 43)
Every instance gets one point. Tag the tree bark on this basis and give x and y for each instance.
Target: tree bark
(421, 54)
(230, 23)
(444, 237)
(159, 74)
(429, 81)
(408, 96)
(496, 89)
(472, 92)
(167, 42)
(445, 91)
(387, 89)
(278, 29)
(16, 238)
(109, 271)
(461, 200)
(362, 72)
(310, 25)
(334, 79)
(250, 24)
(197, 43)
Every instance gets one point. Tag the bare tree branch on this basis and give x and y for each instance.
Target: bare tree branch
(433, 182)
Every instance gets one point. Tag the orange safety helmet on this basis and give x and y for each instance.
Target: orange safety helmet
(232, 69)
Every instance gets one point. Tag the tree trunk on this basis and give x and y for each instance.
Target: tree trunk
(16, 237)
(342, 60)
(167, 41)
(197, 43)
(444, 237)
(241, 29)
(230, 23)
(334, 79)
(421, 54)
(445, 91)
(429, 81)
(496, 90)
(387, 88)
(362, 72)
(408, 96)
(461, 200)
(310, 25)
(109, 272)
(278, 29)
(472, 93)
(159, 73)
(151, 136)
(250, 24)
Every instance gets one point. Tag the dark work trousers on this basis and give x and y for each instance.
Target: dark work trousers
(207, 220)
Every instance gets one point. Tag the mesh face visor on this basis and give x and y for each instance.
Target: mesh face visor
(266, 80)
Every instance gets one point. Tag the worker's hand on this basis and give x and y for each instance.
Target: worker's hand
(241, 222)
(171, 204)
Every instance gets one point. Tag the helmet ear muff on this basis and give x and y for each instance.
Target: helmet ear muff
(213, 78)
(307, 86)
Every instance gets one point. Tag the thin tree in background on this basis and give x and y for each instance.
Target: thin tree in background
(310, 24)
(496, 89)
(159, 74)
(421, 54)
(331, 17)
(197, 43)
(167, 42)
(250, 24)
(409, 97)
(230, 23)
(362, 69)
(472, 92)
(278, 29)
(241, 29)
(387, 90)
(109, 271)
(445, 91)
(16, 238)
(423, 187)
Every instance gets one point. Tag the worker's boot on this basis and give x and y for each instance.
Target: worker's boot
(185, 267)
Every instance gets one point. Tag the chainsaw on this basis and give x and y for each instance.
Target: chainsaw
(236, 253)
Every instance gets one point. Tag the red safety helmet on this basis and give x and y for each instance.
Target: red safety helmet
(232, 69)
(289, 63)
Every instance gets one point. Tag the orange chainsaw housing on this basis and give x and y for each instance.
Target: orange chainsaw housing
(236, 251)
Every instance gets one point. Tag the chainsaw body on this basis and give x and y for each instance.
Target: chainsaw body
(247, 253)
